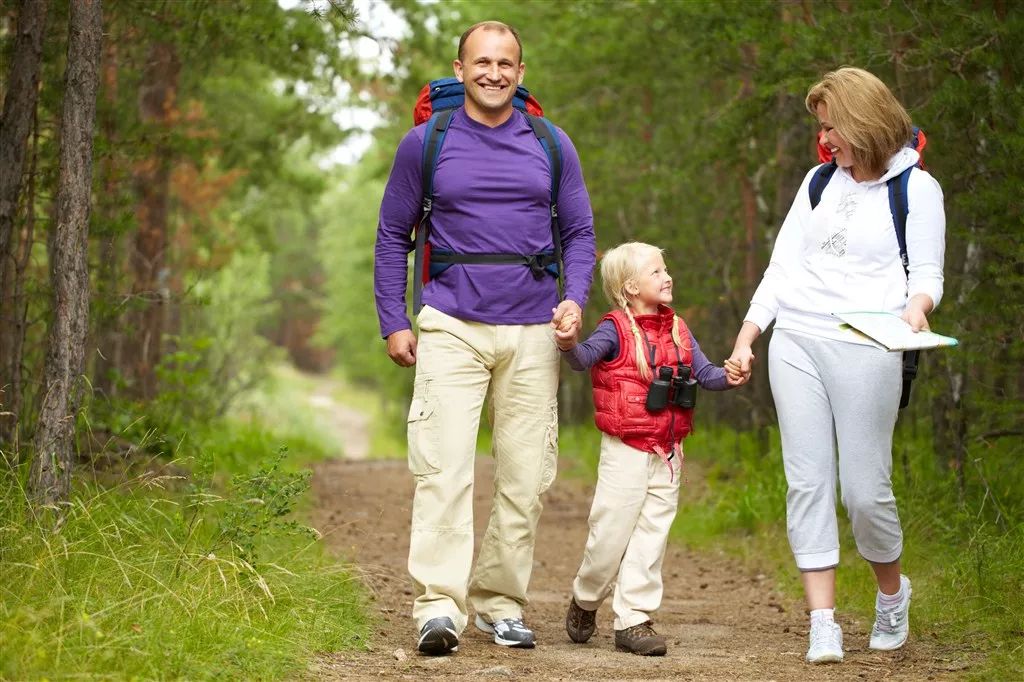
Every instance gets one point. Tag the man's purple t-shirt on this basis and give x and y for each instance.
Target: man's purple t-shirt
(492, 194)
(603, 344)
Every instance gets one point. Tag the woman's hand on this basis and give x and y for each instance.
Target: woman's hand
(916, 312)
(734, 376)
(742, 358)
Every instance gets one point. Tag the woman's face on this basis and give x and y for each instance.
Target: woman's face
(840, 148)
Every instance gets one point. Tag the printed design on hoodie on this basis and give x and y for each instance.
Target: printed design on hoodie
(835, 244)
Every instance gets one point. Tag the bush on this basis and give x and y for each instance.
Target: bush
(139, 581)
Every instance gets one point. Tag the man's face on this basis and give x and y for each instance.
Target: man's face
(491, 70)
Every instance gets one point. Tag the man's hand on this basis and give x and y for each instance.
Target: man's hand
(568, 332)
(402, 348)
(564, 308)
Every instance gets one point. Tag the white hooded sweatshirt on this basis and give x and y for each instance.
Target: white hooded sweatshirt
(843, 256)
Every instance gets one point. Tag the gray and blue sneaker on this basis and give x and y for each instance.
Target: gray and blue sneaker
(510, 632)
(438, 637)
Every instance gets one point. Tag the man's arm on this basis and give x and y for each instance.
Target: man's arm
(399, 211)
(576, 225)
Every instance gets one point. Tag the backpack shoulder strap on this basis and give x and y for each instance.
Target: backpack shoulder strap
(819, 181)
(433, 138)
(548, 138)
(900, 209)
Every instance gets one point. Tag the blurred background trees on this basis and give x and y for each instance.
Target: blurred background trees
(222, 238)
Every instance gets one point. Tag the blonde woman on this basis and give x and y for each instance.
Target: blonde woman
(836, 396)
(645, 367)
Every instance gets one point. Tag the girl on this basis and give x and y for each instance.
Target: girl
(645, 366)
(834, 394)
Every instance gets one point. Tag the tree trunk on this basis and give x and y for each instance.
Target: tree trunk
(157, 97)
(108, 335)
(50, 478)
(19, 108)
(19, 301)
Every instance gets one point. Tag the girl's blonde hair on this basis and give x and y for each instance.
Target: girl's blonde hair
(865, 112)
(620, 266)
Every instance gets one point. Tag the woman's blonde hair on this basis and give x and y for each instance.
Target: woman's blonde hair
(864, 111)
(620, 266)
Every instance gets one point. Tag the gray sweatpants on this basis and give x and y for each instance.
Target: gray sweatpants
(828, 394)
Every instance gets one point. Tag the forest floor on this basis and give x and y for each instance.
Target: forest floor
(723, 621)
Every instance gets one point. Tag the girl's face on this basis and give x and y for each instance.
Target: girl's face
(653, 286)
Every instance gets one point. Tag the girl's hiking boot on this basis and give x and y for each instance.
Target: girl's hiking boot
(511, 632)
(580, 623)
(641, 640)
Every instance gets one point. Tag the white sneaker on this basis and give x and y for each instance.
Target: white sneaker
(826, 642)
(892, 626)
(511, 632)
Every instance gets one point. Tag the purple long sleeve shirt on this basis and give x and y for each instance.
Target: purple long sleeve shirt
(492, 192)
(603, 344)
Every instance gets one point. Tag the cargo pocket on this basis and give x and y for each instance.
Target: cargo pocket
(549, 464)
(422, 437)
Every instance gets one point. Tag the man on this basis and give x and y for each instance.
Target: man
(484, 328)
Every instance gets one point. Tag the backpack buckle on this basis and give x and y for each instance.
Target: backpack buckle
(427, 204)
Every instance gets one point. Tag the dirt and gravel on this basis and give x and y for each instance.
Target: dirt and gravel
(723, 621)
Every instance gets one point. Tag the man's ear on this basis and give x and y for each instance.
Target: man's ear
(457, 68)
(522, 72)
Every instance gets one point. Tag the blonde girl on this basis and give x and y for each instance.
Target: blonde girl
(645, 365)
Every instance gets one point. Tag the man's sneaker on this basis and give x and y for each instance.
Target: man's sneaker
(580, 623)
(641, 640)
(511, 632)
(826, 642)
(438, 637)
(892, 625)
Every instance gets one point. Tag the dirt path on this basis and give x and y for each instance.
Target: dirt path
(722, 621)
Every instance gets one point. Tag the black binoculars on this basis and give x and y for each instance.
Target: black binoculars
(669, 388)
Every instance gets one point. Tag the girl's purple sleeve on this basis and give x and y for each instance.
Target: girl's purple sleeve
(602, 344)
(709, 376)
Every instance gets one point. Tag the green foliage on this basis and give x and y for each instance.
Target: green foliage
(140, 581)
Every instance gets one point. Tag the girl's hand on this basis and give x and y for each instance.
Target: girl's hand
(741, 360)
(734, 375)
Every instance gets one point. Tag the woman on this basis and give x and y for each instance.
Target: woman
(832, 390)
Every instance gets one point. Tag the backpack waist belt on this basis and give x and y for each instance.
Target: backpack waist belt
(540, 264)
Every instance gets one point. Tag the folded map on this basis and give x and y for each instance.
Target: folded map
(890, 332)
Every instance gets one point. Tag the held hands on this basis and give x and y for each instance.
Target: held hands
(734, 375)
(566, 320)
(402, 348)
(738, 367)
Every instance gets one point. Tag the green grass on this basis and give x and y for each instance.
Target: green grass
(965, 554)
(199, 568)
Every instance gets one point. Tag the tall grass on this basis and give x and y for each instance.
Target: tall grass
(963, 548)
(198, 568)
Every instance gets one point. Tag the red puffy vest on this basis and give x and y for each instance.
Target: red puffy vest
(620, 392)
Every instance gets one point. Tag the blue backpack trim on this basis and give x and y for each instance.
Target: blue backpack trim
(900, 209)
(449, 92)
